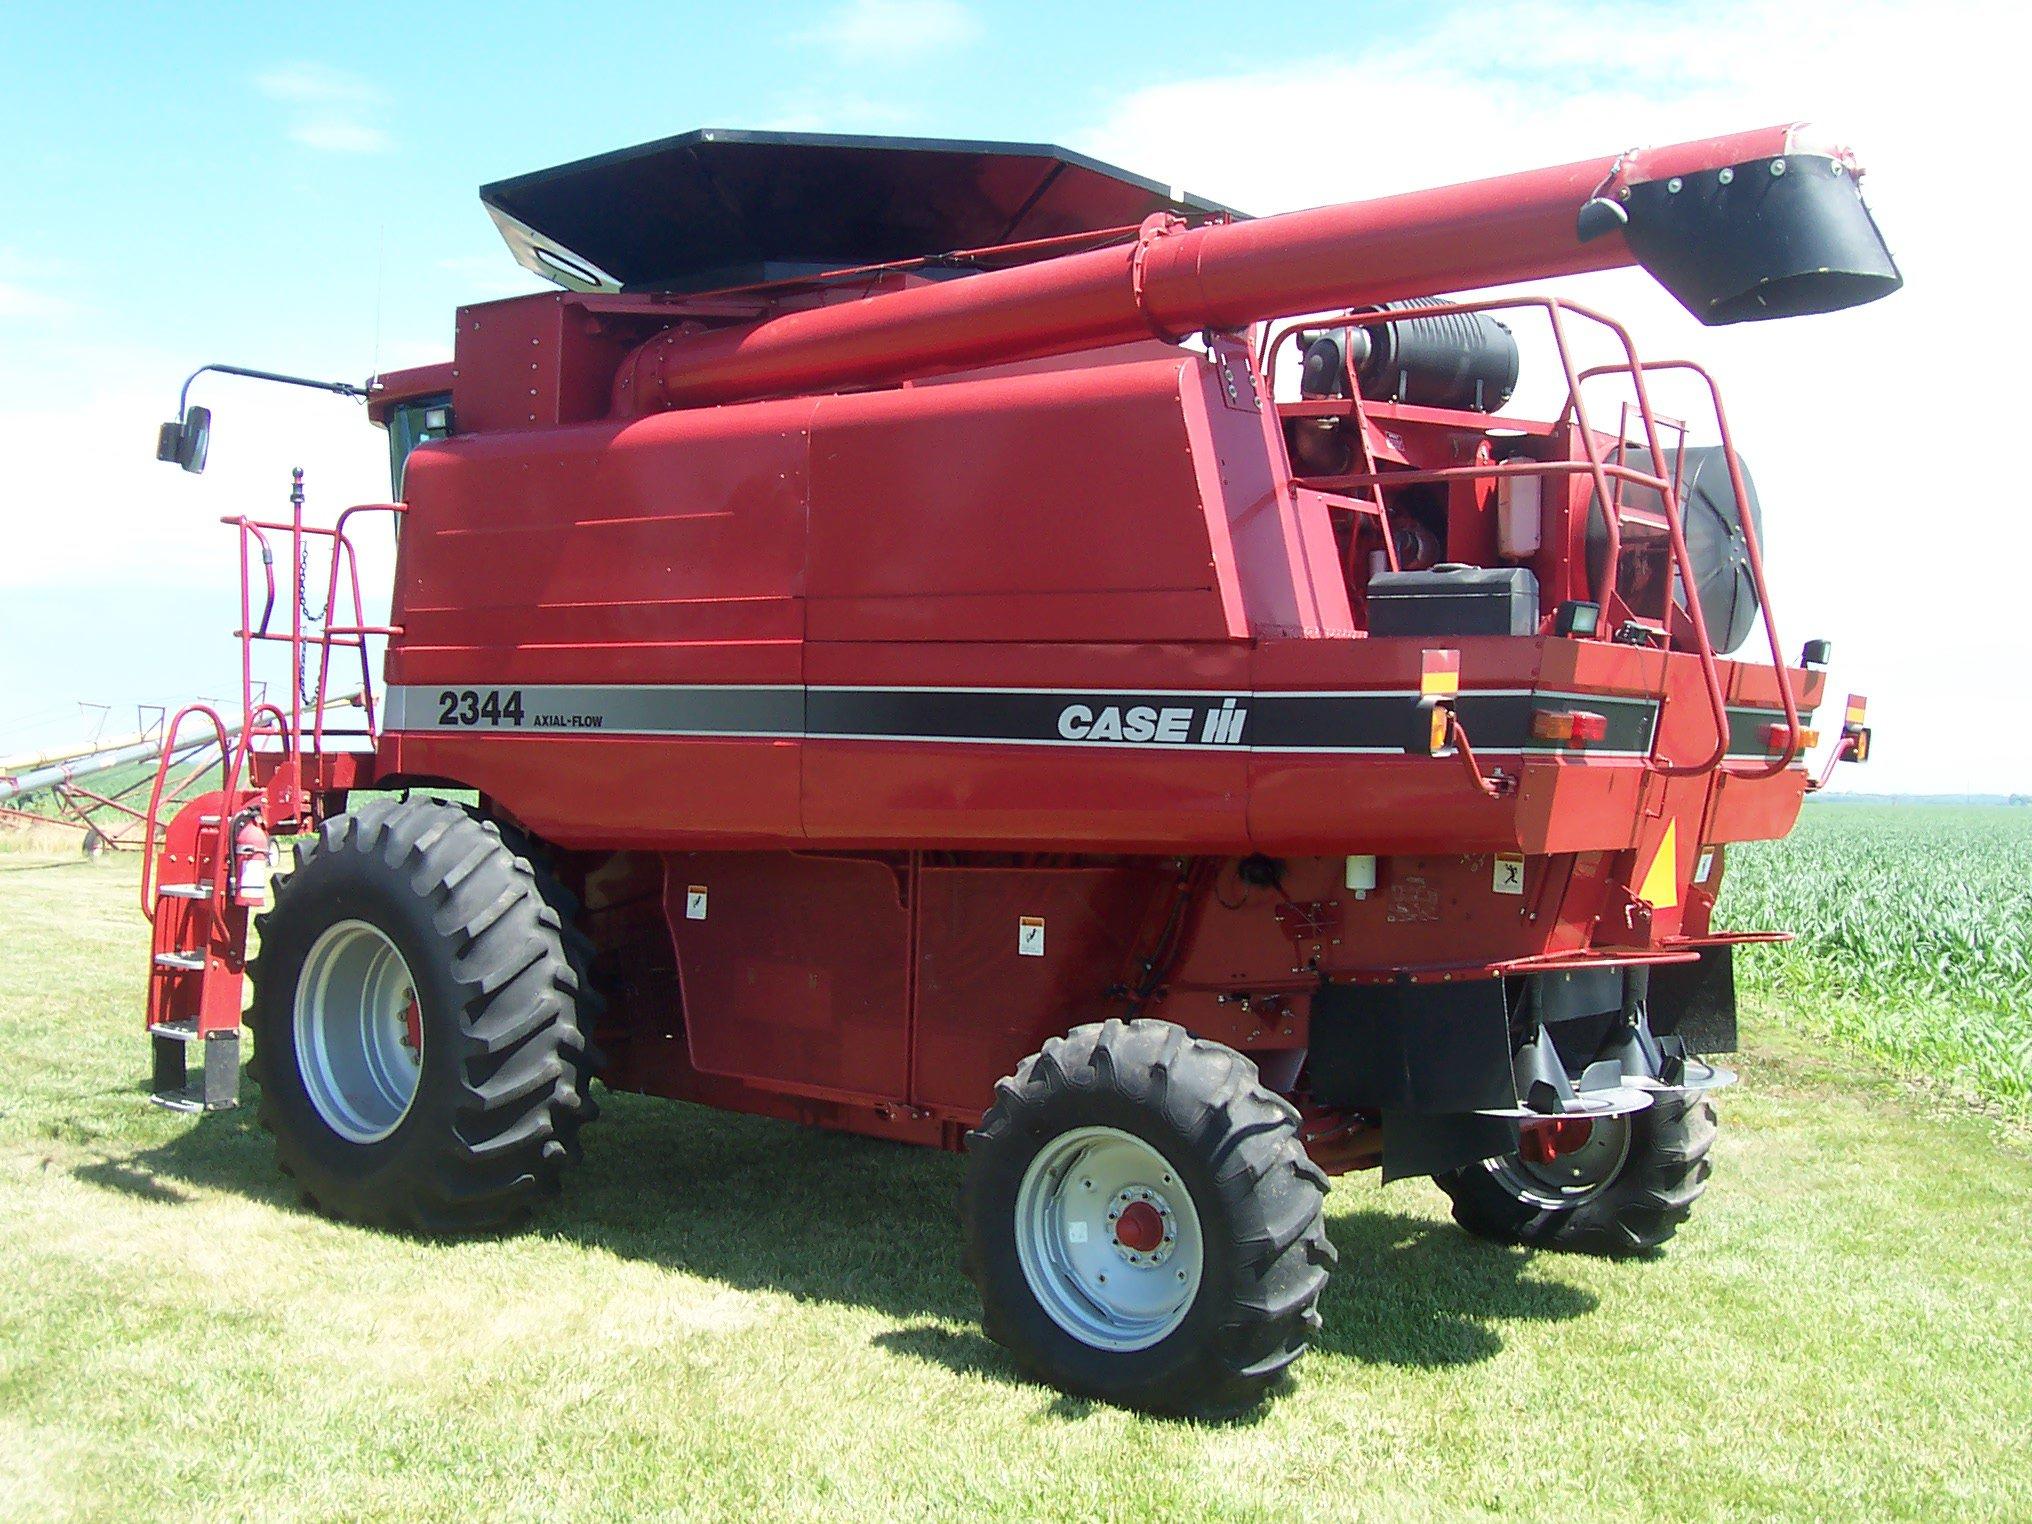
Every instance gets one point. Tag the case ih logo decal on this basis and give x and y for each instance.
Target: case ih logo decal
(1170, 725)
(1369, 722)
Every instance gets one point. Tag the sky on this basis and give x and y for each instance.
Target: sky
(293, 188)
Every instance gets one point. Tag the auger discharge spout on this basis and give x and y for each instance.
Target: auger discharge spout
(1759, 224)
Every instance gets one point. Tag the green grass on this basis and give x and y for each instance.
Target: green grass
(732, 1318)
(1915, 938)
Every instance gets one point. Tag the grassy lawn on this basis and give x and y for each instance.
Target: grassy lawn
(734, 1318)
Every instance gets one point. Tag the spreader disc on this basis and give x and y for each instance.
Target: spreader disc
(1699, 1076)
(1616, 1101)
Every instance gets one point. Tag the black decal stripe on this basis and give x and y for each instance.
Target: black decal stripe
(946, 714)
(1384, 723)
(1494, 722)
(620, 709)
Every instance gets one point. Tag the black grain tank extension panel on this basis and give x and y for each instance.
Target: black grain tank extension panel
(1454, 600)
(713, 208)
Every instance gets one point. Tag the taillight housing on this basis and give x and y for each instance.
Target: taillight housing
(1570, 727)
(1777, 734)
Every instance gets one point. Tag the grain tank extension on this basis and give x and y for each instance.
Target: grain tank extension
(954, 642)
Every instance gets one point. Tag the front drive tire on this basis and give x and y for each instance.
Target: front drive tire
(1653, 1166)
(418, 1023)
(1142, 1222)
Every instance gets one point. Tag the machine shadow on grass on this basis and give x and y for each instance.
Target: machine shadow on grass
(227, 1151)
(765, 1206)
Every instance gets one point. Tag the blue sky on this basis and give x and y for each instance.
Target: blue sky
(231, 178)
(294, 187)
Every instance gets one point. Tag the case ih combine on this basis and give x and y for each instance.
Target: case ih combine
(936, 660)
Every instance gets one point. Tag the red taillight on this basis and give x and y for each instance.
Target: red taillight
(1570, 727)
(1778, 734)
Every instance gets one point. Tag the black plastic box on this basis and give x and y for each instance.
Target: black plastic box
(1454, 600)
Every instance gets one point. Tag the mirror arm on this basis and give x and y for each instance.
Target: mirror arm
(343, 388)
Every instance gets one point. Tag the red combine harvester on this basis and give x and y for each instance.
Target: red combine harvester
(922, 674)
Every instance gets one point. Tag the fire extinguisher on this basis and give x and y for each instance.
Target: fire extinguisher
(252, 862)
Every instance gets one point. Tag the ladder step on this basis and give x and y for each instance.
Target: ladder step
(191, 961)
(216, 1086)
(183, 891)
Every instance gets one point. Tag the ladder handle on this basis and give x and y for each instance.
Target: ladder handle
(162, 767)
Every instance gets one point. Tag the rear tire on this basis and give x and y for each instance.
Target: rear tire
(419, 1023)
(1142, 1222)
(1633, 1209)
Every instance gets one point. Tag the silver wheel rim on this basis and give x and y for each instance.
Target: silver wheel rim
(359, 1044)
(1108, 1238)
(1571, 1179)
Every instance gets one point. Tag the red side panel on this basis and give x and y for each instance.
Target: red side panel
(1007, 957)
(665, 551)
(1025, 798)
(795, 970)
(1043, 508)
(669, 550)
(600, 795)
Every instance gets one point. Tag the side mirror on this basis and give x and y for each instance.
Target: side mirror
(186, 442)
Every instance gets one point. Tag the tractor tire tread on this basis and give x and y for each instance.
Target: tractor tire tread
(1207, 1104)
(518, 1084)
(1652, 1196)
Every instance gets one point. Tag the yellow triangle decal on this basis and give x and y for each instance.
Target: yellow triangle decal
(1660, 888)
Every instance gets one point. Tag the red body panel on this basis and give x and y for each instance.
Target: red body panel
(921, 549)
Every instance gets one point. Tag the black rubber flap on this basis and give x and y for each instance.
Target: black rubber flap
(716, 208)
(1435, 1048)
(1771, 238)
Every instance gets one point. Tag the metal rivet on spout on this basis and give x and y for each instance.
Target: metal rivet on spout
(1726, 175)
(1777, 166)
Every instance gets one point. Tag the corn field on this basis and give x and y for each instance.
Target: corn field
(1915, 937)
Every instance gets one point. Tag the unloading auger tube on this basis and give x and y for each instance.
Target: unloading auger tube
(1759, 224)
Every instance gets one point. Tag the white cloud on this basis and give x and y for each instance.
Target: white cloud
(331, 111)
(314, 84)
(338, 134)
(895, 31)
(24, 290)
(146, 526)
(24, 302)
(126, 572)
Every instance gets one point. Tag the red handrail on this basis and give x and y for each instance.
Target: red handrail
(1753, 551)
(354, 634)
(1602, 471)
(226, 771)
